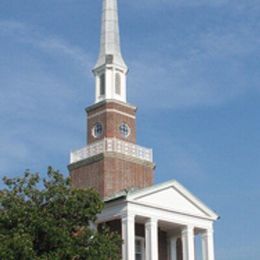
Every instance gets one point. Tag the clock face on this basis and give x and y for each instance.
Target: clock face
(125, 130)
(97, 130)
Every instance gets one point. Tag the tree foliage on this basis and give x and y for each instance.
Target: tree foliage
(47, 219)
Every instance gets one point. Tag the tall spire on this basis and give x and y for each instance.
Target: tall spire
(110, 38)
(110, 70)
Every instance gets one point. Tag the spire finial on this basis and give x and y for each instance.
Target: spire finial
(110, 37)
(110, 70)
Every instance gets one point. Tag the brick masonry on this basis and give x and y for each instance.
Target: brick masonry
(111, 115)
(110, 173)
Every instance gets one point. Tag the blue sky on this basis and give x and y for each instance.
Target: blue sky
(194, 75)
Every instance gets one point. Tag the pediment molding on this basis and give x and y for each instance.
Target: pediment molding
(172, 196)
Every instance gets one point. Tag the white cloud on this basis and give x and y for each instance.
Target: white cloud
(29, 35)
(37, 104)
(212, 70)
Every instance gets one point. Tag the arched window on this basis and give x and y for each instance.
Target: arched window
(118, 84)
(102, 85)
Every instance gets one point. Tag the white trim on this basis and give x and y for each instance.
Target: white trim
(169, 216)
(110, 110)
(128, 236)
(208, 245)
(150, 205)
(108, 145)
(183, 191)
(188, 248)
(151, 239)
(121, 208)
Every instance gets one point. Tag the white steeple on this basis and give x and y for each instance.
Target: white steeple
(110, 70)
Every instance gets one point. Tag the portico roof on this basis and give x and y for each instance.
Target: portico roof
(170, 196)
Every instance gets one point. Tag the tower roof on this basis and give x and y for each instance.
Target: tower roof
(110, 51)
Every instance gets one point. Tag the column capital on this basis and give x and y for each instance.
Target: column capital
(187, 229)
(207, 232)
(128, 216)
(151, 221)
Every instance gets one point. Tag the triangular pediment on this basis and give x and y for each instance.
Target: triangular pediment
(174, 197)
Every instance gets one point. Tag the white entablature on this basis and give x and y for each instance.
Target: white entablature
(110, 70)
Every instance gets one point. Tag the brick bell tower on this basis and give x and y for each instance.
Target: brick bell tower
(111, 161)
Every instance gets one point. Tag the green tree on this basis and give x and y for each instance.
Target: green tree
(47, 219)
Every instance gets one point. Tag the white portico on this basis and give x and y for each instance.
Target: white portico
(161, 222)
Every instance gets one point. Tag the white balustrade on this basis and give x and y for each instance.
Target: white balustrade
(112, 145)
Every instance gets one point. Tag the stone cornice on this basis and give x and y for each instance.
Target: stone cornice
(107, 101)
(102, 156)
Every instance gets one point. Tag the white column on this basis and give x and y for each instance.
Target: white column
(128, 236)
(188, 243)
(208, 245)
(173, 248)
(151, 239)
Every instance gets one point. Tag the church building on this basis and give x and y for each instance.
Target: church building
(156, 221)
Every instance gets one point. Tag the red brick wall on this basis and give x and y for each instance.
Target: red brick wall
(110, 104)
(89, 176)
(111, 174)
(111, 121)
(122, 174)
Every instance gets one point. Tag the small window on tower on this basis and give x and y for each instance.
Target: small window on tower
(102, 84)
(118, 84)
(97, 130)
(124, 130)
